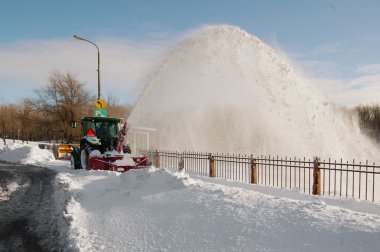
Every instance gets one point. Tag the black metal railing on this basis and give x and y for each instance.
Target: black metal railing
(312, 176)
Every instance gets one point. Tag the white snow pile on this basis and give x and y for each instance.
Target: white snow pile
(25, 154)
(160, 210)
(224, 90)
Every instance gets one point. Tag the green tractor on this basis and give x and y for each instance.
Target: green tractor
(104, 146)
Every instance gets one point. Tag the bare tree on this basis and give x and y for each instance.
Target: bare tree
(25, 121)
(8, 121)
(114, 109)
(369, 120)
(3, 124)
(62, 101)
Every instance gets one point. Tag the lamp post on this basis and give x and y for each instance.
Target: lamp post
(80, 38)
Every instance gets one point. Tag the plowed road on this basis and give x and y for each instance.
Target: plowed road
(30, 218)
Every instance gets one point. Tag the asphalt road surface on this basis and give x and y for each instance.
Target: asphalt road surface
(29, 217)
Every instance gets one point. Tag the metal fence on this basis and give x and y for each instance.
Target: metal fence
(312, 176)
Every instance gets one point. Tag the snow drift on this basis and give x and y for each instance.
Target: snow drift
(151, 210)
(25, 154)
(223, 90)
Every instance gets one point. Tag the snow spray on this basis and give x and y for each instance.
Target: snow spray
(223, 90)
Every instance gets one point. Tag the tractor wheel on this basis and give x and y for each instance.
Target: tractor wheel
(84, 159)
(55, 151)
(73, 163)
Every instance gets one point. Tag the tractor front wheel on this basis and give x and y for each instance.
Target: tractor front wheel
(84, 159)
(72, 162)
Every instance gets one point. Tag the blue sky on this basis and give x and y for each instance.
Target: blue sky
(334, 42)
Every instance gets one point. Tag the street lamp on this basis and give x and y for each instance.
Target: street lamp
(80, 38)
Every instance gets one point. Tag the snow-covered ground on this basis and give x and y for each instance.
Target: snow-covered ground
(161, 210)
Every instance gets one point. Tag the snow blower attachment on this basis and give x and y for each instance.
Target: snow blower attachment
(103, 147)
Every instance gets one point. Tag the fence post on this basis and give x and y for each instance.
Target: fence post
(181, 163)
(316, 177)
(212, 165)
(157, 159)
(253, 171)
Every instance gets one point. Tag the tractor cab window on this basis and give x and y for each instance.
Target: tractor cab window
(87, 125)
(106, 130)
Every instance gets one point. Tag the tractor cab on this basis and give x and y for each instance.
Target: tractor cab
(103, 129)
(104, 146)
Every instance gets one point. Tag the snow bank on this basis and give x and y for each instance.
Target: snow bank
(25, 154)
(158, 210)
(62, 196)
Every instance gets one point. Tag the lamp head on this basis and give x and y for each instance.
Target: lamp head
(78, 37)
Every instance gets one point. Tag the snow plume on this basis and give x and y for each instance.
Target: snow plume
(223, 90)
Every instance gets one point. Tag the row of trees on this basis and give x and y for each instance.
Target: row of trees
(49, 114)
(369, 120)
